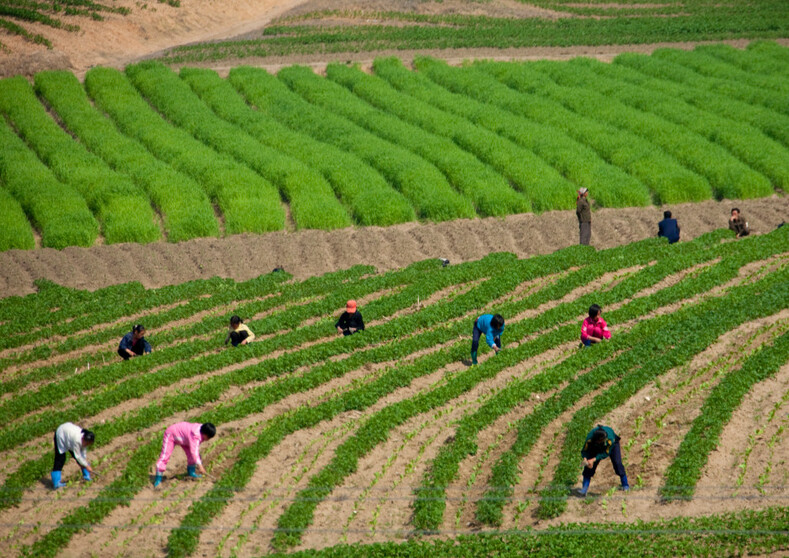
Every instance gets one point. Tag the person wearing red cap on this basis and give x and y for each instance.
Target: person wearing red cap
(350, 321)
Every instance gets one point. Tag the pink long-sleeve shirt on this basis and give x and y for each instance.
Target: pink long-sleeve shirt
(595, 327)
(187, 435)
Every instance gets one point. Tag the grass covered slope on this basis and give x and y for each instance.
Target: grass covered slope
(322, 437)
(158, 154)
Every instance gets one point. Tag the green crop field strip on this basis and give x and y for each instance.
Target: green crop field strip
(590, 23)
(151, 154)
(365, 438)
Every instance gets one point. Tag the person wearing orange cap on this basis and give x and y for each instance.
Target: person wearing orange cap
(350, 321)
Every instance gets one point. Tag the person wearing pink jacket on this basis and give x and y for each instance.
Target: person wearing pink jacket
(594, 329)
(188, 435)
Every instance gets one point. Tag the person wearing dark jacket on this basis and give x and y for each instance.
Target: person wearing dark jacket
(584, 213)
(738, 224)
(350, 321)
(134, 344)
(602, 442)
(668, 228)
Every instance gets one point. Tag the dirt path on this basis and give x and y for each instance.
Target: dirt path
(309, 253)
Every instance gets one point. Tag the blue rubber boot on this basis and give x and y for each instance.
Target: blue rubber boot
(625, 485)
(158, 480)
(585, 487)
(56, 480)
(85, 474)
(473, 357)
(190, 471)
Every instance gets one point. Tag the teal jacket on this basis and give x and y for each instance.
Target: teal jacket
(483, 323)
(610, 440)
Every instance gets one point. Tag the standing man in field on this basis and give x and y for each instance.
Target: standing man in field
(492, 326)
(584, 213)
(738, 224)
(188, 435)
(71, 438)
(668, 228)
(601, 442)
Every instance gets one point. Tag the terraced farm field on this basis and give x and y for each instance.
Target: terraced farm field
(148, 154)
(390, 436)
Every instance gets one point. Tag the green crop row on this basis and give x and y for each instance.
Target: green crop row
(733, 178)
(56, 209)
(367, 30)
(570, 159)
(727, 175)
(487, 190)
(522, 168)
(249, 203)
(420, 182)
(371, 199)
(185, 208)
(682, 83)
(716, 412)
(124, 211)
(17, 232)
(311, 198)
(731, 534)
(613, 187)
(734, 83)
(616, 134)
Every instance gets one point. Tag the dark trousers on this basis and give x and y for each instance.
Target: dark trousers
(346, 331)
(138, 348)
(237, 337)
(616, 461)
(585, 229)
(60, 458)
(476, 334)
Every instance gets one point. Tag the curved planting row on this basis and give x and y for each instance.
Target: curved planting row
(153, 152)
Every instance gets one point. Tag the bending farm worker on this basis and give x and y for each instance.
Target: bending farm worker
(350, 321)
(668, 228)
(134, 344)
(738, 224)
(73, 439)
(239, 333)
(492, 326)
(602, 442)
(594, 329)
(188, 435)
(584, 213)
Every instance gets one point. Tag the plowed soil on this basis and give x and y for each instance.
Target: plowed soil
(311, 252)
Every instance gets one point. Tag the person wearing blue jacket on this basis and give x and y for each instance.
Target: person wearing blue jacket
(601, 442)
(492, 326)
(668, 228)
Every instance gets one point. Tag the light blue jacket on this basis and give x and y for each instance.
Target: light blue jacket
(483, 323)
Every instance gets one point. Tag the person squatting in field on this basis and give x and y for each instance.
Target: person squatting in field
(584, 213)
(668, 228)
(738, 224)
(239, 333)
(134, 344)
(73, 439)
(594, 329)
(492, 326)
(351, 320)
(188, 435)
(601, 442)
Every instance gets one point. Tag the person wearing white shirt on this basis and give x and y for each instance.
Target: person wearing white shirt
(73, 439)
